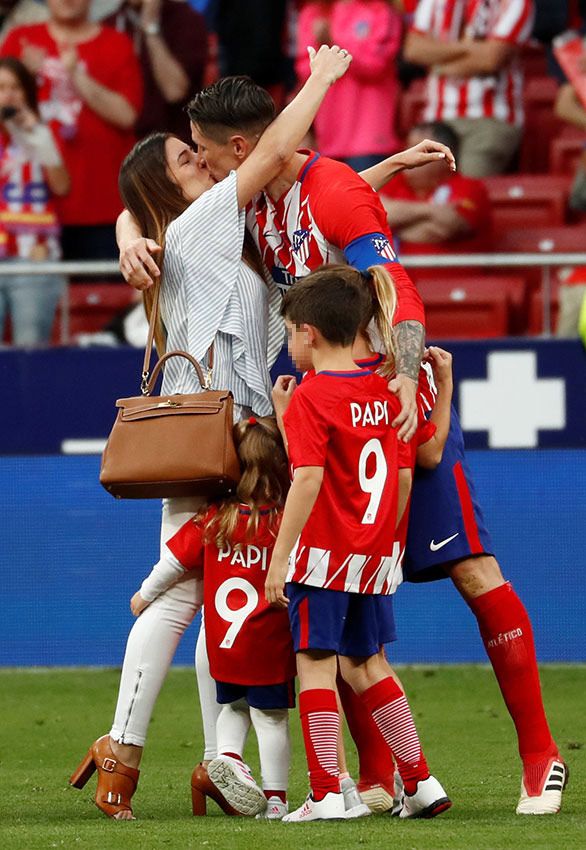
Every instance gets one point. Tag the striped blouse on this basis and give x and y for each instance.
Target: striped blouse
(210, 294)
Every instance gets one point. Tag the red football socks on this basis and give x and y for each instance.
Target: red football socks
(508, 638)
(376, 764)
(320, 722)
(390, 711)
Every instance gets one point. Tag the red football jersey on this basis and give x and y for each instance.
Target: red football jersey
(248, 640)
(341, 421)
(329, 215)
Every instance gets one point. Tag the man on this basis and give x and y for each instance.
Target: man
(474, 82)
(171, 42)
(433, 210)
(90, 91)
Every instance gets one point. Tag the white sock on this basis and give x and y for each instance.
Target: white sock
(232, 727)
(206, 686)
(274, 746)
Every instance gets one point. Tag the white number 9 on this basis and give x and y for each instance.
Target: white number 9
(374, 485)
(235, 616)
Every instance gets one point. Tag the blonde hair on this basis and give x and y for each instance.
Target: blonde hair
(384, 306)
(264, 482)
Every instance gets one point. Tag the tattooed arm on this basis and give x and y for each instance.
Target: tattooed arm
(409, 337)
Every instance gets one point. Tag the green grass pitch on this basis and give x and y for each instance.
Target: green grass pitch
(49, 717)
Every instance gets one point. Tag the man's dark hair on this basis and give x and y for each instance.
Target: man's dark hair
(333, 299)
(233, 104)
(439, 132)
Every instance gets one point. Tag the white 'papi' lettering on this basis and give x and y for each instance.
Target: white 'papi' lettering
(369, 414)
(245, 556)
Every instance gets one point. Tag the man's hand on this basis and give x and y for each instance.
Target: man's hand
(138, 604)
(137, 264)
(329, 62)
(406, 391)
(33, 57)
(275, 584)
(425, 152)
(282, 394)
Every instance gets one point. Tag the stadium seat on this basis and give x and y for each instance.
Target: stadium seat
(476, 308)
(411, 107)
(527, 200)
(535, 323)
(541, 123)
(564, 153)
(92, 306)
(541, 240)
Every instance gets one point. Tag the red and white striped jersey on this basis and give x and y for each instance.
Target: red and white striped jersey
(493, 95)
(329, 215)
(341, 421)
(27, 213)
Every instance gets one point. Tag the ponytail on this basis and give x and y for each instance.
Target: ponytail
(384, 309)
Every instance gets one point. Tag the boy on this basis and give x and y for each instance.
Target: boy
(351, 484)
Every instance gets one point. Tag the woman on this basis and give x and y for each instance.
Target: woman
(209, 294)
(31, 171)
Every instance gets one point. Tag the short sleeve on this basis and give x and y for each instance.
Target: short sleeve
(187, 545)
(405, 455)
(425, 431)
(471, 201)
(423, 18)
(306, 428)
(203, 250)
(514, 22)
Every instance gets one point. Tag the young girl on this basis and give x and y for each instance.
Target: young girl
(248, 641)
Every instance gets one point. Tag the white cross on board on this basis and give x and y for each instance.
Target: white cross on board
(513, 403)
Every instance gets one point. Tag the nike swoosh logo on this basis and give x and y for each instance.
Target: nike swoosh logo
(435, 546)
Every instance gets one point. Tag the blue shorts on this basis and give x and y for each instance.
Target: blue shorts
(446, 523)
(387, 632)
(334, 621)
(258, 696)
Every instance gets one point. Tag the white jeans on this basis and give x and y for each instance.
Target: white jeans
(152, 643)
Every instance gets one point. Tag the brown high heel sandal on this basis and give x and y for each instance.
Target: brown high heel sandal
(203, 787)
(116, 782)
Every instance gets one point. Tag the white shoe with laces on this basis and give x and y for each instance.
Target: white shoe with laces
(429, 800)
(331, 807)
(276, 810)
(549, 799)
(235, 781)
(353, 804)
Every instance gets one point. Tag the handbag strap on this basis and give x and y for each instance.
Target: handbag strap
(146, 385)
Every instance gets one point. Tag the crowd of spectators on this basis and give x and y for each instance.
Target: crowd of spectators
(110, 71)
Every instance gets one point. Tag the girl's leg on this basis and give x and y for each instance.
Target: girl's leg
(210, 709)
(274, 748)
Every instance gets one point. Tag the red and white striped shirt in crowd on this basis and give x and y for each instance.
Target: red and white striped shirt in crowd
(496, 95)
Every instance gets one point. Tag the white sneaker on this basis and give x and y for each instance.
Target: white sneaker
(398, 793)
(234, 779)
(330, 808)
(429, 800)
(378, 798)
(276, 810)
(549, 799)
(353, 804)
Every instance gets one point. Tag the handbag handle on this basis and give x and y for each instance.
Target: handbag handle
(160, 363)
(146, 385)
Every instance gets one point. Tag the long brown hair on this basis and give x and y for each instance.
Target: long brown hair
(25, 79)
(383, 309)
(155, 200)
(264, 482)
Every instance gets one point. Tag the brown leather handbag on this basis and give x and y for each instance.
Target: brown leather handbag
(175, 445)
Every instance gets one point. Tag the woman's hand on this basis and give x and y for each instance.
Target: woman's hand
(329, 62)
(137, 264)
(138, 604)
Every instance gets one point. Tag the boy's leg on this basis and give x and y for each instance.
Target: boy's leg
(274, 749)
(317, 619)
